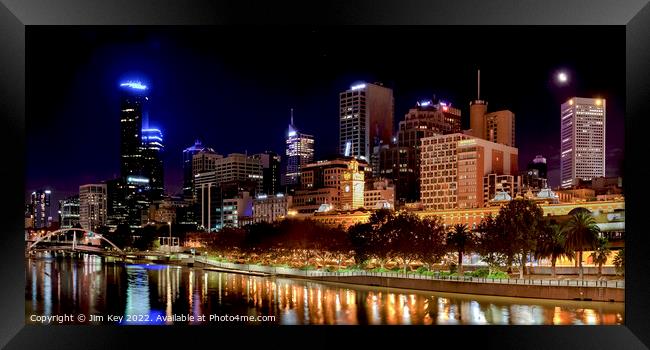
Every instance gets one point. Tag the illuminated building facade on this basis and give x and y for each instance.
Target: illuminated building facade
(40, 208)
(269, 208)
(152, 147)
(309, 201)
(493, 183)
(92, 206)
(338, 182)
(188, 175)
(352, 187)
(203, 161)
(453, 166)
(365, 119)
(236, 211)
(426, 119)
(380, 195)
(582, 144)
(401, 163)
(69, 212)
(211, 195)
(299, 152)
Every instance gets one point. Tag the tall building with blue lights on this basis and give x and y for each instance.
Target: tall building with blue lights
(134, 185)
(188, 176)
(299, 152)
(152, 147)
(132, 104)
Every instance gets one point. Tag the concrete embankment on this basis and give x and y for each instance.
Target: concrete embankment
(482, 288)
(538, 289)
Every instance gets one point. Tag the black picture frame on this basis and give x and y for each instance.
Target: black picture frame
(15, 15)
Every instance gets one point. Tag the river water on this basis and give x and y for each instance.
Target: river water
(160, 294)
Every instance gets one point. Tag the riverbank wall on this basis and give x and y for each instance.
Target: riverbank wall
(609, 291)
(498, 289)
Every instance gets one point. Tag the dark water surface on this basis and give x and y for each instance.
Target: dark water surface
(156, 294)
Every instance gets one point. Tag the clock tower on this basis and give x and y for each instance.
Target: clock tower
(352, 187)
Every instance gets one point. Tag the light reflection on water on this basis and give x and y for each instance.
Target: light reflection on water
(87, 285)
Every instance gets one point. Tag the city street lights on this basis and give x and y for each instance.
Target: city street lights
(170, 238)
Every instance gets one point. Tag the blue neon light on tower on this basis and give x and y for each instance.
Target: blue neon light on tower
(152, 147)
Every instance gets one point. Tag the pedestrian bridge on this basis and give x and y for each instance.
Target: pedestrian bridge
(45, 242)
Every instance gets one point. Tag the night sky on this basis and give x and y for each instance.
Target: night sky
(233, 87)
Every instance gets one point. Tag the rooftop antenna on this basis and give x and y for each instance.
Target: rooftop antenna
(291, 116)
(478, 85)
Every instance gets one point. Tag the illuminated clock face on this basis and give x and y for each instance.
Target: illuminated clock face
(347, 188)
(358, 188)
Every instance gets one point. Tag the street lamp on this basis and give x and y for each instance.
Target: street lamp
(170, 238)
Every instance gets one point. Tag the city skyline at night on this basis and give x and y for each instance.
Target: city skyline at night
(202, 91)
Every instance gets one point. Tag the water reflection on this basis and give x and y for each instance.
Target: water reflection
(57, 285)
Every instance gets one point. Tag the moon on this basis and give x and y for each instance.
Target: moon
(562, 77)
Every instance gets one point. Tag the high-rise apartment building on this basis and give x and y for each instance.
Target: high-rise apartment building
(366, 114)
(40, 208)
(92, 206)
(299, 152)
(453, 166)
(582, 144)
(152, 147)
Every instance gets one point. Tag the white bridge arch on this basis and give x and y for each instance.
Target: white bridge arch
(50, 234)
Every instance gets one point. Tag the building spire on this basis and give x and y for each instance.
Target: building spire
(291, 116)
(478, 85)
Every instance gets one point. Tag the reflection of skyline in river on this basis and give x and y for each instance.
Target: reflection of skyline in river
(57, 286)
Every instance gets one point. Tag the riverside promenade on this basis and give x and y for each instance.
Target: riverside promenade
(565, 289)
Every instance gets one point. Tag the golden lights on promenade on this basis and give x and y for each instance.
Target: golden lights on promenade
(154, 290)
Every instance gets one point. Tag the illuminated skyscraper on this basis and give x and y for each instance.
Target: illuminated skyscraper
(188, 176)
(92, 206)
(132, 105)
(135, 171)
(152, 147)
(300, 151)
(40, 208)
(582, 144)
(365, 119)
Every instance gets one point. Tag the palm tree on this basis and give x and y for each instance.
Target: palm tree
(600, 254)
(551, 244)
(619, 261)
(582, 233)
(460, 239)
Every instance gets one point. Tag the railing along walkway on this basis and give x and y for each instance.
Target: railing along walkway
(318, 273)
